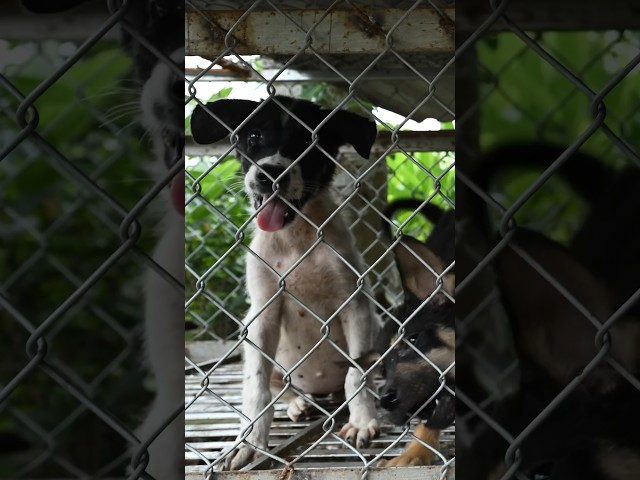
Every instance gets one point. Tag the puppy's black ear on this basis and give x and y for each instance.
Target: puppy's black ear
(356, 130)
(206, 129)
(552, 335)
(417, 278)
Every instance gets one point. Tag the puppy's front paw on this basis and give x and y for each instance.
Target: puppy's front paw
(299, 409)
(360, 435)
(240, 457)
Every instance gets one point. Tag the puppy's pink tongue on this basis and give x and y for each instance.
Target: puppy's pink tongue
(177, 193)
(271, 217)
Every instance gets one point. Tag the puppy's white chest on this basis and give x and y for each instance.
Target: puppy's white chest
(314, 285)
(309, 269)
(317, 276)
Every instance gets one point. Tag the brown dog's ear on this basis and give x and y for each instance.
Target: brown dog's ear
(205, 129)
(417, 278)
(355, 130)
(550, 331)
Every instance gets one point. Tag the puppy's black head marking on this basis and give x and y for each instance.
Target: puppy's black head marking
(285, 145)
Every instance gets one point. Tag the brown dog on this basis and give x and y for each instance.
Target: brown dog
(562, 354)
(419, 367)
(417, 345)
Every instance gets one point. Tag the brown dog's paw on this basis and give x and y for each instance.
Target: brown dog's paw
(360, 436)
(405, 460)
(416, 454)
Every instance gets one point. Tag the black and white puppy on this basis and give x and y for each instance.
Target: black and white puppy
(164, 298)
(160, 22)
(303, 271)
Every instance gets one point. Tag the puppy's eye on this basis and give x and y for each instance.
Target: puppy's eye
(407, 347)
(254, 138)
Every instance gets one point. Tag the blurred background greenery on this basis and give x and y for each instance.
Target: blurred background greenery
(524, 98)
(56, 230)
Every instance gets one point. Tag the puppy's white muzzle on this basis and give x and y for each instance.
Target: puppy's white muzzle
(273, 212)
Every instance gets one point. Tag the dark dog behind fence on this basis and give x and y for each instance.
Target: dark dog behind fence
(572, 313)
(418, 340)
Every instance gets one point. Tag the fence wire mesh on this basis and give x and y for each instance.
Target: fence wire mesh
(545, 293)
(77, 237)
(405, 163)
(74, 165)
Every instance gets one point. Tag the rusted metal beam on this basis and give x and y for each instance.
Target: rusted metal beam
(424, 30)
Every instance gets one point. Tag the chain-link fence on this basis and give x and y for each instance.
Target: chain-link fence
(78, 235)
(78, 232)
(390, 62)
(547, 296)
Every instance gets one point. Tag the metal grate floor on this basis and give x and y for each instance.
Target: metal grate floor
(210, 427)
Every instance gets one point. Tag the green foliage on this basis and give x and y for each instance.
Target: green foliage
(525, 99)
(211, 234)
(56, 232)
(428, 175)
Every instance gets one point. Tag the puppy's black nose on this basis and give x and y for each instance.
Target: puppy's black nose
(389, 399)
(262, 177)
